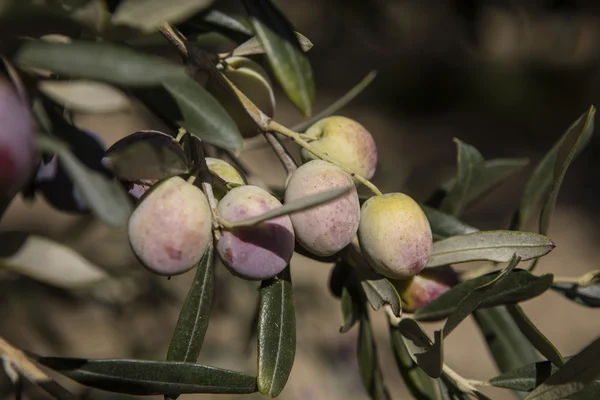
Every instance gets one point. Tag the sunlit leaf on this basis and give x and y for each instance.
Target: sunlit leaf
(47, 261)
(144, 378)
(470, 164)
(498, 246)
(98, 61)
(284, 53)
(107, 198)
(417, 381)
(85, 96)
(520, 285)
(276, 334)
(254, 46)
(571, 378)
(149, 15)
(146, 155)
(203, 115)
(195, 313)
(298, 205)
(537, 338)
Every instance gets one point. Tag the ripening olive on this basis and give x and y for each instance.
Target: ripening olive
(170, 228)
(418, 291)
(395, 235)
(347, 142)
(325, 229)
(258, 252)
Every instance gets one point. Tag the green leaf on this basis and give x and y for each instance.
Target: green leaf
(450, 391)
(498, 246)
(150, 15)
(537, 338)
(98, 61)
(107, 198)
(146, 155)
(350, 309)
(470, 163)
(586, 296)
(571, 378)
(576, 138)
(417, 381)
(493, 172)
(518, 286)
(445, 225)
(472, 300)
(47, 261)
(203, 115)
(145, 378)
(428, 354)
(541, 178)
(254, 46)
(339, 103)
(525, 378)
(509, 347)
(368, 364)
(195, 313)
(85, 96)
(380, 291)
(276, 334)
(291, 207)
(284, 53)
(215, 20)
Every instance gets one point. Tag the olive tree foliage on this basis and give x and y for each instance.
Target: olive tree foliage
(389, 253)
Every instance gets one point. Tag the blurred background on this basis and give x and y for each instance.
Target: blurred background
(507, 77)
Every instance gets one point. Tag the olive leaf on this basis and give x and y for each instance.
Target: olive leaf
(47, 261)
(85, 96)
(254, 46)
(573, 377)
(98, 61)
(149, 15)
(498, 246)
(417, 381)
(276, 334)
(192, 324)
(379, 291)
(445, 225)
(586, 296)
(450, 391)
(146, 378)
(368, 364)
(146, 155)
(428, 354)
(518, 286)
(349, 301)
(470, 163)
(107, 198)
(535, 336)
(291, 207)
(284, 53)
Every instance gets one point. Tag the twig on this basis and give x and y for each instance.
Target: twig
(281, 152)
(176, 39)
(295, 137)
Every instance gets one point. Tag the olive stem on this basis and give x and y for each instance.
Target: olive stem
(284, 156)
(466, 385)
(296, 138)
(180, 134)
(175, 39)
(212, 202)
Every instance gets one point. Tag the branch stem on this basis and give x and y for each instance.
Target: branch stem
(176, 39)
(284, 156)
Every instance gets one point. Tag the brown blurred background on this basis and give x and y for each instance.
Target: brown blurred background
(505, 76)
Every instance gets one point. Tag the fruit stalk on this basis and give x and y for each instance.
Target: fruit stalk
(296, 138)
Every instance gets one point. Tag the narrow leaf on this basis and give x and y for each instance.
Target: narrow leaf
(537, 338)
(219, 21)
(276, 334)
(284, 53)
(586, 296)
(350, 309)
(339, 103)
(417, 381)
(470, 163)
(195, 313)
(576, 138)
(254, 46)
(289, 208)
(149, 15)
(47, 261)
(107, 198)
(203, 115)
(445, 225)
(428, 354)
(518, 286)
(98, 61)
(369, 369)
(498, 246)
(572, 377)
(450, 391)
(471, 301)
(85, 96)
(145, 378)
